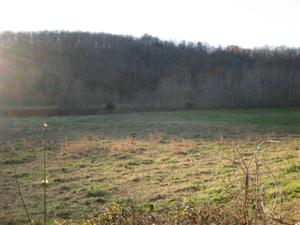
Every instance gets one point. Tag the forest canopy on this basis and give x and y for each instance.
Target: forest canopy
(82, 70)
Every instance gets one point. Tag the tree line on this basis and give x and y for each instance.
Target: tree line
(86, 71)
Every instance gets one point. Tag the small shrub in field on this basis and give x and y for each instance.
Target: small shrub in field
(189, 106)
(110, 107)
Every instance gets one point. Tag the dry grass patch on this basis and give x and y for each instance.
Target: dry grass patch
(157, 137)
(126, 145)
(82, 146)
(181, 145)
(152, 143)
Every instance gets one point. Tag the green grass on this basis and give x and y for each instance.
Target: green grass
(156, 159)
(185, 123)
(293, 169)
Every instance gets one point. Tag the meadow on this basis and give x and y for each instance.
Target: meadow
(153, 160)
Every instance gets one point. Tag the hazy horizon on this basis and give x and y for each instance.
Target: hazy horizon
(247, 24)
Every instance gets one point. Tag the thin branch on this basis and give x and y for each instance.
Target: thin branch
(258, 147)
(22, 199)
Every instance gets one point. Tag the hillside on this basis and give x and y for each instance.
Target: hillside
(81, 72)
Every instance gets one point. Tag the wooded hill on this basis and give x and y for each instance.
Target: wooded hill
(81, 70)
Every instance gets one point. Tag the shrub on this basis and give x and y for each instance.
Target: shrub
(189, 105)
(110, 107)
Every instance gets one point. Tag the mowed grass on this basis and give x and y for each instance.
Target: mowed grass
(153, 160)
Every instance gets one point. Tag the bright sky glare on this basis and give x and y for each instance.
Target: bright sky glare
(247, 23)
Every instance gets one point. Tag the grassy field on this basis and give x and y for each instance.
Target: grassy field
(153, 160)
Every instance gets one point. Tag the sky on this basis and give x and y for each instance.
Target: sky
(251, 23)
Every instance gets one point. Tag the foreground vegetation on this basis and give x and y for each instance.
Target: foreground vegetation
(144, 165)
